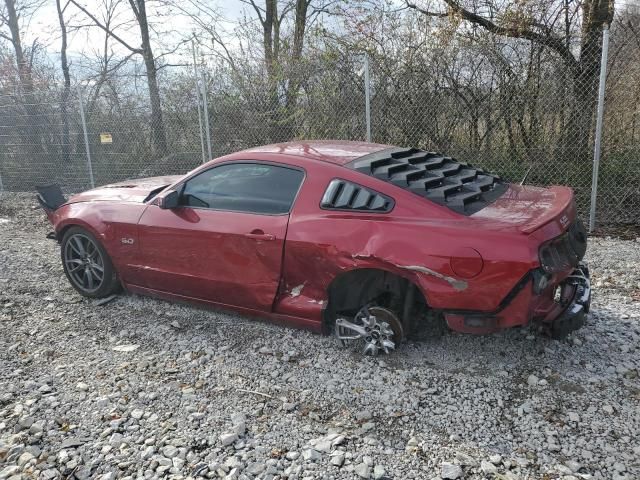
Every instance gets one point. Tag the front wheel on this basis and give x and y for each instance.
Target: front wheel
(87, 264)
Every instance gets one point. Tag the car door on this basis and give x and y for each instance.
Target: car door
(225, 240)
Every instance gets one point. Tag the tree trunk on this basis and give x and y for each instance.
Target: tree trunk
(296, 53)
(157, 123)
(586, 74)
(24, 69)
(577, 136)
(64, 98)
(271, 45)
(294, 74)
(28, 127)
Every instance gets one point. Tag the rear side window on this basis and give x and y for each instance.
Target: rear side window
(344, 195)
(244, 187)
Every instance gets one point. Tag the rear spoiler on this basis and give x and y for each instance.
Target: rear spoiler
(50, 197)
(564, 204)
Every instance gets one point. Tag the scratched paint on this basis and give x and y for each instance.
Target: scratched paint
(454, 282)
(296, 291)
(458, 285)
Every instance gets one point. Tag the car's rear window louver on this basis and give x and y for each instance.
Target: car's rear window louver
(345, 195)
(459, 186)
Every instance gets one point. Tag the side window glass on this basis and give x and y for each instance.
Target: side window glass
(244, 187)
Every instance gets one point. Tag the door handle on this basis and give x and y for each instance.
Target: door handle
(258, 234)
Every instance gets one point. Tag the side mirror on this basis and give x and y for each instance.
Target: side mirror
(170, 200)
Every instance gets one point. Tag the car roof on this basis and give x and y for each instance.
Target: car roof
(338, 152)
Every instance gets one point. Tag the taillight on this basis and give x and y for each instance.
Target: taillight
(565, 251)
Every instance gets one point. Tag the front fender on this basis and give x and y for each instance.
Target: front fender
(115, 225)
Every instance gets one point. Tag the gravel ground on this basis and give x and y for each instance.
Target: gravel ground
(140, 388)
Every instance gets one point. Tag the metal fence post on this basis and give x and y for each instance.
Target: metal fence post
(599, 117)
(206, 114)
(1, 186)
(367, 98)
(86, 137)
(195, 76)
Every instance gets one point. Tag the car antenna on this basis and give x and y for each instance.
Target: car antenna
(526, 174)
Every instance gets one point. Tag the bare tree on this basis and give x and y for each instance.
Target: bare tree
(66, 88)
(101, 65)
(284, 72)
(14, 17)
(10, 17)
(139, 10)
(521, 22)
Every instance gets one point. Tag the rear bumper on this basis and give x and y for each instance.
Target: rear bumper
(561, 308)
(576, 302)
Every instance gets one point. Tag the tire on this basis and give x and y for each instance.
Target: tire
(87, 264)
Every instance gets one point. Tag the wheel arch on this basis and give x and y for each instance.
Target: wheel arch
(356, 287)
(66, 224)
(63, 227)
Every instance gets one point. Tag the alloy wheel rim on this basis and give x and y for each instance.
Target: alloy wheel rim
(375, 329)
(84, 262)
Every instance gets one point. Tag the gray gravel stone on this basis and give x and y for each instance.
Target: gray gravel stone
(450, 471)
(256, 468)
(24, 458)
(170, 451)
(137, 414)
(311, 455)
(7, 472)
(363, 470)
(379, 472)
(292, 455)
(337, 459)
(228, 438)
(73, 442)
(488, 467)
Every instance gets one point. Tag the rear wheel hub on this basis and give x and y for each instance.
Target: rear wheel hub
(373, 329)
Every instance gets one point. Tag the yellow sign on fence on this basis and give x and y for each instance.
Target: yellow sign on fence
(106, 138)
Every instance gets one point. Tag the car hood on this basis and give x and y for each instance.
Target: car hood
(136, 190)
(529, 208)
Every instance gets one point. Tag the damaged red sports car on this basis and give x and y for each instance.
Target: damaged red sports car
(364, 240)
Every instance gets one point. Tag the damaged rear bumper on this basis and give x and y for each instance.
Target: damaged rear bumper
(575, 296)
(561, 308)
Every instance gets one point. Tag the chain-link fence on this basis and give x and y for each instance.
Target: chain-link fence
(521, 113)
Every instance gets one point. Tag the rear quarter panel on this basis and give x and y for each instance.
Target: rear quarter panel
(416, 241)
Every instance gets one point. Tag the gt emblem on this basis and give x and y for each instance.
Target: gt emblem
(564, 220)
(127, 241)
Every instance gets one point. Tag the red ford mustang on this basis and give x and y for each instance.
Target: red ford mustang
(361, 239)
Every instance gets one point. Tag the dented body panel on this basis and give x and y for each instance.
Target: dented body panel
(283, 266)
